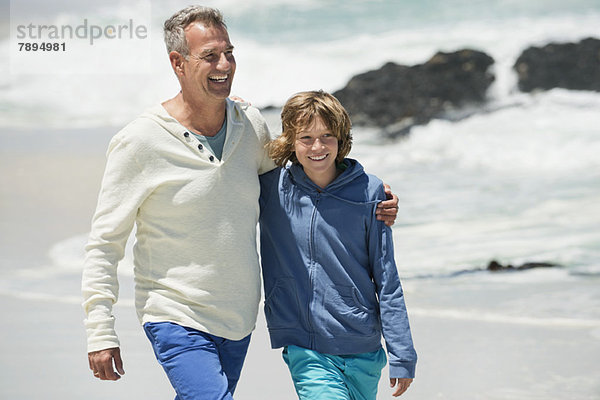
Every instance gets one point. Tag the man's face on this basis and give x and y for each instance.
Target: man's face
(210, 66)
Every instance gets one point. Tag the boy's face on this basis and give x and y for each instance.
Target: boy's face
(316, 148)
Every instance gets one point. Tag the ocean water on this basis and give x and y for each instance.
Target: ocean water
(518, 181)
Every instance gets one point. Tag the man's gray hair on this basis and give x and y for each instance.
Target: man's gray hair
(174, 26)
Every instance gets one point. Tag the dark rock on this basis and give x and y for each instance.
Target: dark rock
(531, 265)
(397, 97)
(560, 65)
(495, 266)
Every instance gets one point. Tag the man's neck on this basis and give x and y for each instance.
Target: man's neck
(204, 118)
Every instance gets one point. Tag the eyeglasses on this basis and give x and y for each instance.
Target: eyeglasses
(326, 139)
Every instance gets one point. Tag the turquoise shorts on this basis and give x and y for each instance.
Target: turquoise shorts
(319, 376)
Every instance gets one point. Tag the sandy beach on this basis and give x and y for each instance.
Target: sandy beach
(44, 357)
(516, 181)
(466, 351)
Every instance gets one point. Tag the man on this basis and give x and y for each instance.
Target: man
(173, 173)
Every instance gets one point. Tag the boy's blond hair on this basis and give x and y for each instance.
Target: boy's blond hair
(299, 112)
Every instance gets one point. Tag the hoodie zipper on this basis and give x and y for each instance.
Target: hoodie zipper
(311, 271)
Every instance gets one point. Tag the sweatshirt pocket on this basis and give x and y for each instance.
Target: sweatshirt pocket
(282, 306)
(349, 313)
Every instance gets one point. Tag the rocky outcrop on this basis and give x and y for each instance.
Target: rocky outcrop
(560, 65)
(397, 97)
(495, 266)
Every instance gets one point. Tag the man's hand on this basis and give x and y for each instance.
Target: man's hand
(238, 99)
(101, 363)
(401, 385)
(387, 210)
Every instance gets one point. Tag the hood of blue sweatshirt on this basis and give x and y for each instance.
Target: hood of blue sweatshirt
(351, 171)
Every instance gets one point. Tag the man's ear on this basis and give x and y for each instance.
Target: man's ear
(177, 60)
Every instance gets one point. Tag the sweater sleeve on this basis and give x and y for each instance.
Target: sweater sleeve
(394, 318)
(266, 164)
(122, 192)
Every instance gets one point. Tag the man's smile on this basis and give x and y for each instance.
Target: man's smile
(218, 78)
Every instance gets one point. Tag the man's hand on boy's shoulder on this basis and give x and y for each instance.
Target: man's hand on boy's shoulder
(387, 210)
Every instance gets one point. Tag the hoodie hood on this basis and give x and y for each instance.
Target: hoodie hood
(352, 170)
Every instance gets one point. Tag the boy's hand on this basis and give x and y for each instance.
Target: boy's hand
(401, 385)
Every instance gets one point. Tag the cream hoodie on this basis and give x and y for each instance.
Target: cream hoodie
(195, 255)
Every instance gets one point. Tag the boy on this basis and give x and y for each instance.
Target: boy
(331, 284)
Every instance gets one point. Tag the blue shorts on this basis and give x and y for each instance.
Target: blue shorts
(328, 377)
(200, 366)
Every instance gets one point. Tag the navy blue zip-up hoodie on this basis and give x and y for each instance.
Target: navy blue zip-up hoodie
(330, 279)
